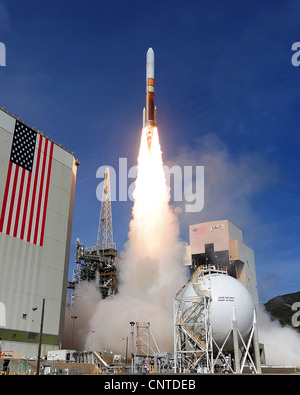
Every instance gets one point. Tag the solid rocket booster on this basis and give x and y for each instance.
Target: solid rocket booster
(149, 113)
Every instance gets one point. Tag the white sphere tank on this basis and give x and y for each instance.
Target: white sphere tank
(226, 292)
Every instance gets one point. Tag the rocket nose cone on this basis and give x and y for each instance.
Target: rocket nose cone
(150, 55)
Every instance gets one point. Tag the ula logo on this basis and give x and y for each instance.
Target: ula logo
(218, 227)
(2, 55)
(296, 57)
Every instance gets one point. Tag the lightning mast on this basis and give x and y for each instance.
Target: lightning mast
(105, 229)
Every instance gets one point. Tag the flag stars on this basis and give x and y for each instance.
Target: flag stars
(23, 147)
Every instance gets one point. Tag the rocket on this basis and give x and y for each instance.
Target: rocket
(149, 113)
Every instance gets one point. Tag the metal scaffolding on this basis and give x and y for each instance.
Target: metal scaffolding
(195, 349)
(105, 229)
(144, 336)
(97, 263)
(192, 331)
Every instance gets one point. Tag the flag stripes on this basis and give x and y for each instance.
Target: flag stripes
(25, 200)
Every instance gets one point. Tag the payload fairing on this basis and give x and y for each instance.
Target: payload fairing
(149, 113)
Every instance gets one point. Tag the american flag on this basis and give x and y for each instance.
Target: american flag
(23, 213)
(199, 231)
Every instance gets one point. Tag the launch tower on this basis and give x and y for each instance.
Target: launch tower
(97, 263)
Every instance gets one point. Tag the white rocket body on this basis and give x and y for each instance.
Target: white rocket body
(149, 113)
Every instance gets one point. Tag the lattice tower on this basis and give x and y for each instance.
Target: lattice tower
(105, 229)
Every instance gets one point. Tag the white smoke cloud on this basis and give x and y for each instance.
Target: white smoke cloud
(151, 268)
(76, 330)
(282, 344)
(231, 183)
(148, 283)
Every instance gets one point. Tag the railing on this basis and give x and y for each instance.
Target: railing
(193, 335)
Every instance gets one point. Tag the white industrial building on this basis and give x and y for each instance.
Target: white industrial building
(37, 188)
(221, 243)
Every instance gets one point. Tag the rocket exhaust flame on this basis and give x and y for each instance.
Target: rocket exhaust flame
(151, 272)
(151, 195)
(150, 269)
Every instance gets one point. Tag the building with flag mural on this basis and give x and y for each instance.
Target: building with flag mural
(37, 189)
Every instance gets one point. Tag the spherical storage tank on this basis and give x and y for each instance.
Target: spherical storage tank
(226, 292)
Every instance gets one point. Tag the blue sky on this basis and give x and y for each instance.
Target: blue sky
(227, 96)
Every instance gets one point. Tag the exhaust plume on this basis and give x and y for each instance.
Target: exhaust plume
(150, 269)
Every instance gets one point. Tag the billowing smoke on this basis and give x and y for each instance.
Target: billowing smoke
(82, 309)
(151, 268)
(282, 344)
